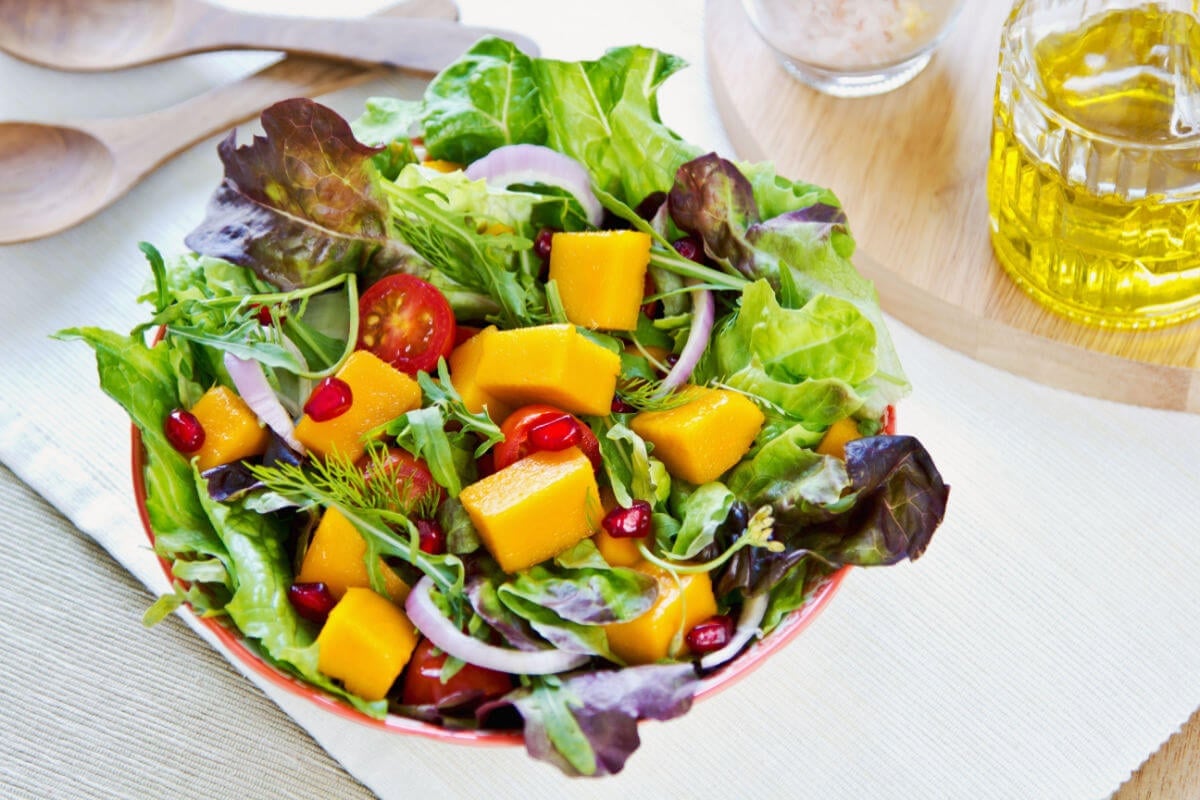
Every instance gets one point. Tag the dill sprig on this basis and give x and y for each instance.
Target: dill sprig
(643, 394)
(379, 509)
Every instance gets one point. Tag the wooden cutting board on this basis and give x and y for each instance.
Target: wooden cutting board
(910, 168)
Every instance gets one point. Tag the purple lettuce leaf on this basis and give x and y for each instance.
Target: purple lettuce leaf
(894, 500)
(297, 206)
(587, 723)
(713, 200)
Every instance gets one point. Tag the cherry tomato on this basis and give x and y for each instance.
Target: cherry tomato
(470, 686)
(409, 472)
(407, 322)
(542, 427)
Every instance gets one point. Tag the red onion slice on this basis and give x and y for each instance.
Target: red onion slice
(533, 163)
(703, 315)
(753, 611)
(436, 628)
(252, 385)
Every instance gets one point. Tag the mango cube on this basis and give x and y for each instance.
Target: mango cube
(704, 437)
(535, 508)
(464, 374)
(365, 643)
(600, 276)
(336, 556)
(617, 551)
(833, 443)
(552, 364)
(231, 430)
(681, 605)
(380, 394)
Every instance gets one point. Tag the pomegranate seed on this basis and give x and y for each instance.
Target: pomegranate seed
(555, 432)
(690, 248)
(263, 313)
(432, 539)
(628, 523)
(183, 431)
(619, 406)
(313, 601)
(541, 244)
(710, 635)
(330, 399)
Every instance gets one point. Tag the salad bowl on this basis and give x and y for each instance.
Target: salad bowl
(598, 436)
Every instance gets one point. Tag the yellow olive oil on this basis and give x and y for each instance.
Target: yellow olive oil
(1094, 177)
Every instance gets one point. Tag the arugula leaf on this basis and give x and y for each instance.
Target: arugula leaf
(702, 513)
(299, 205)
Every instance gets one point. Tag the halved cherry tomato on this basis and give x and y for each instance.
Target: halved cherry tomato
(410, 473)
(543, 427)
(407, 322)
(469, 687)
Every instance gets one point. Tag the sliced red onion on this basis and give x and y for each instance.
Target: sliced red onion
(534, 163)
(252, 385)
(442, 632)
(753, 611)
(703, 314)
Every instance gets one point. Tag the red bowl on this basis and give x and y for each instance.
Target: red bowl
(231, 638)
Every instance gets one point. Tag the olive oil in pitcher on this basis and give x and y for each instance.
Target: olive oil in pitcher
(1094, 178)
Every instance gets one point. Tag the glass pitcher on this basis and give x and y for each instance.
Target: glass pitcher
(1094, 178)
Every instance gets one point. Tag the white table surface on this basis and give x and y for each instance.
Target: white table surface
(1043, 647)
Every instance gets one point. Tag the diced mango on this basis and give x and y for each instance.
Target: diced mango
(535, 508)
(600, 276)
(833, 443)
(380, 394)
(618, 552)
(704, 437)
(552, 364)
(464, 371)
(336, 557)
(441, 165)
(680, 606)
(231, 430)
(365, 643)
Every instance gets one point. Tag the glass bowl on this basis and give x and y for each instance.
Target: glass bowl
(853, 48)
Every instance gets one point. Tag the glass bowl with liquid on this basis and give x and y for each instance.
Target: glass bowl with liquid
(853, 48)
(1094, 177)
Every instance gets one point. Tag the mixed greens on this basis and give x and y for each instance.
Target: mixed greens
(317, 210)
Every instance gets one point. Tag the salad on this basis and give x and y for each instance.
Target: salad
(509, 408)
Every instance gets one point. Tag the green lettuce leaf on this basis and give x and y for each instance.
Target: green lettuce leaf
(143, 380)
(486, 99)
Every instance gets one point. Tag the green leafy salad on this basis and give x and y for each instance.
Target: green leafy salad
(508, 409)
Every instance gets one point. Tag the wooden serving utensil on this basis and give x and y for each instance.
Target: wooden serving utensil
(53, 177)
(99, 35)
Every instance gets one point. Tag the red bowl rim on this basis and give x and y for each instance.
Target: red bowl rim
(232, 640)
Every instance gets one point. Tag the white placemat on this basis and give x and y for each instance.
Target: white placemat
(1042, 648)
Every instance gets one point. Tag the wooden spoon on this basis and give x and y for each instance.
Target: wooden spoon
(55, 176)
(98, 35)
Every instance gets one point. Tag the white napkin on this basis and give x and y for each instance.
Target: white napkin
(1043, 647)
